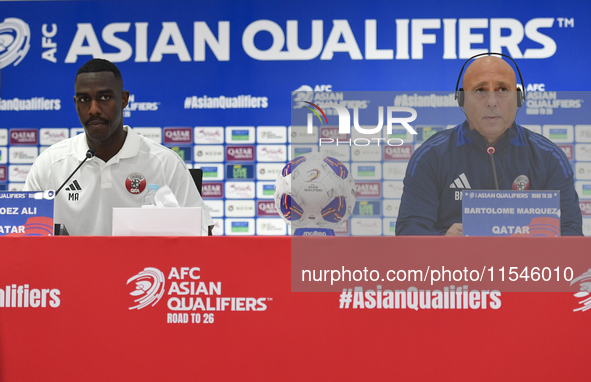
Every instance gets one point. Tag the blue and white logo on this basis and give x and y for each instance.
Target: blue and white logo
(15, 41)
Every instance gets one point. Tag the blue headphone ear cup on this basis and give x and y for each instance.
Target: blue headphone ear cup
(460, 97)
(520, 97)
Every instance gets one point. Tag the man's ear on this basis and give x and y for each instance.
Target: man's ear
(124, 99)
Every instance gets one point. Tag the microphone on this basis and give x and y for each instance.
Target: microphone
(491, 150)
(89, 154)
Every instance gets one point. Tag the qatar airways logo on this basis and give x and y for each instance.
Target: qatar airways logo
(240, 153)
(398, 153)
(266, 208)
(178, 135)
(585, 207)
(23, 137)
(213, 190)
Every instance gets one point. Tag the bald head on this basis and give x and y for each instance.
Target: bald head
(490, 101)
(487, 68)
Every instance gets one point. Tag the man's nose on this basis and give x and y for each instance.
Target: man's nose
(94, 108)
(491, 99)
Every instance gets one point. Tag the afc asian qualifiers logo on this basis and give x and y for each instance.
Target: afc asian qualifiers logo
(585, 291)
(15, 41)
(149, 287)
(135, 183)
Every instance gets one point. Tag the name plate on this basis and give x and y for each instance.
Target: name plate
(26, 213)
(511, 213)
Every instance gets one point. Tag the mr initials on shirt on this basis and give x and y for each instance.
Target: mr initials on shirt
(74, 196)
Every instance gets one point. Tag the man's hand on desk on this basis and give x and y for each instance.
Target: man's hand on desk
(454, 230)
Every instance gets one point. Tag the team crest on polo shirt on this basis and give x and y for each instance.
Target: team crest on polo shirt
(135, 183)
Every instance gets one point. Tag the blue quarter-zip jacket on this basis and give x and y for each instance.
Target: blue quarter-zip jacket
(458, 156)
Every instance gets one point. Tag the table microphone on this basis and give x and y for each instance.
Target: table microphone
(89, 154)
(491, 150)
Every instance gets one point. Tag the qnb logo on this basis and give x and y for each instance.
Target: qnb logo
(149, 287)
(584, 292)
(15, 41)
(392, 118)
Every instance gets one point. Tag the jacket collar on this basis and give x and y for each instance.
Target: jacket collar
(506, 139)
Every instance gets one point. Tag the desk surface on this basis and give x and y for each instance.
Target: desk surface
(244, 323)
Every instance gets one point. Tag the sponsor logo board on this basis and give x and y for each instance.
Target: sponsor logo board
(366, 226)
(265, 190)
(271, 153)
(559, 133)
(366, 171)
(212, 190)
(240, 171)
(211, 171)
(18, 173)
(271, 227)
(389, 227)
(366, 154)
(209, 153)
(152, 133)
(342, 153)
(240, 208)
(240, 153)
(50, 136)
(266, 208)
(299, 134)
(178, 135)
(240, 190)
(215, 207)
(240, 134)
(235, 226)
(392, 189)
(24, 137)
(368, 189)
(24, 155)
(271, 134)
(269, 171)
(582, 133)
(295, 151)
(394, 170)
(209, 135)
(403, 152)
(391, 207)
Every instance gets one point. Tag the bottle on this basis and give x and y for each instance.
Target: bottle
(149, 199)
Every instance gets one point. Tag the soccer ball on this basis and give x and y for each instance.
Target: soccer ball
(315, 191)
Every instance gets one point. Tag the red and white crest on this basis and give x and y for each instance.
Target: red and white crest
(135, 183)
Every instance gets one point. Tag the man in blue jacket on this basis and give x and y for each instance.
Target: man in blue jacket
(458, 159)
